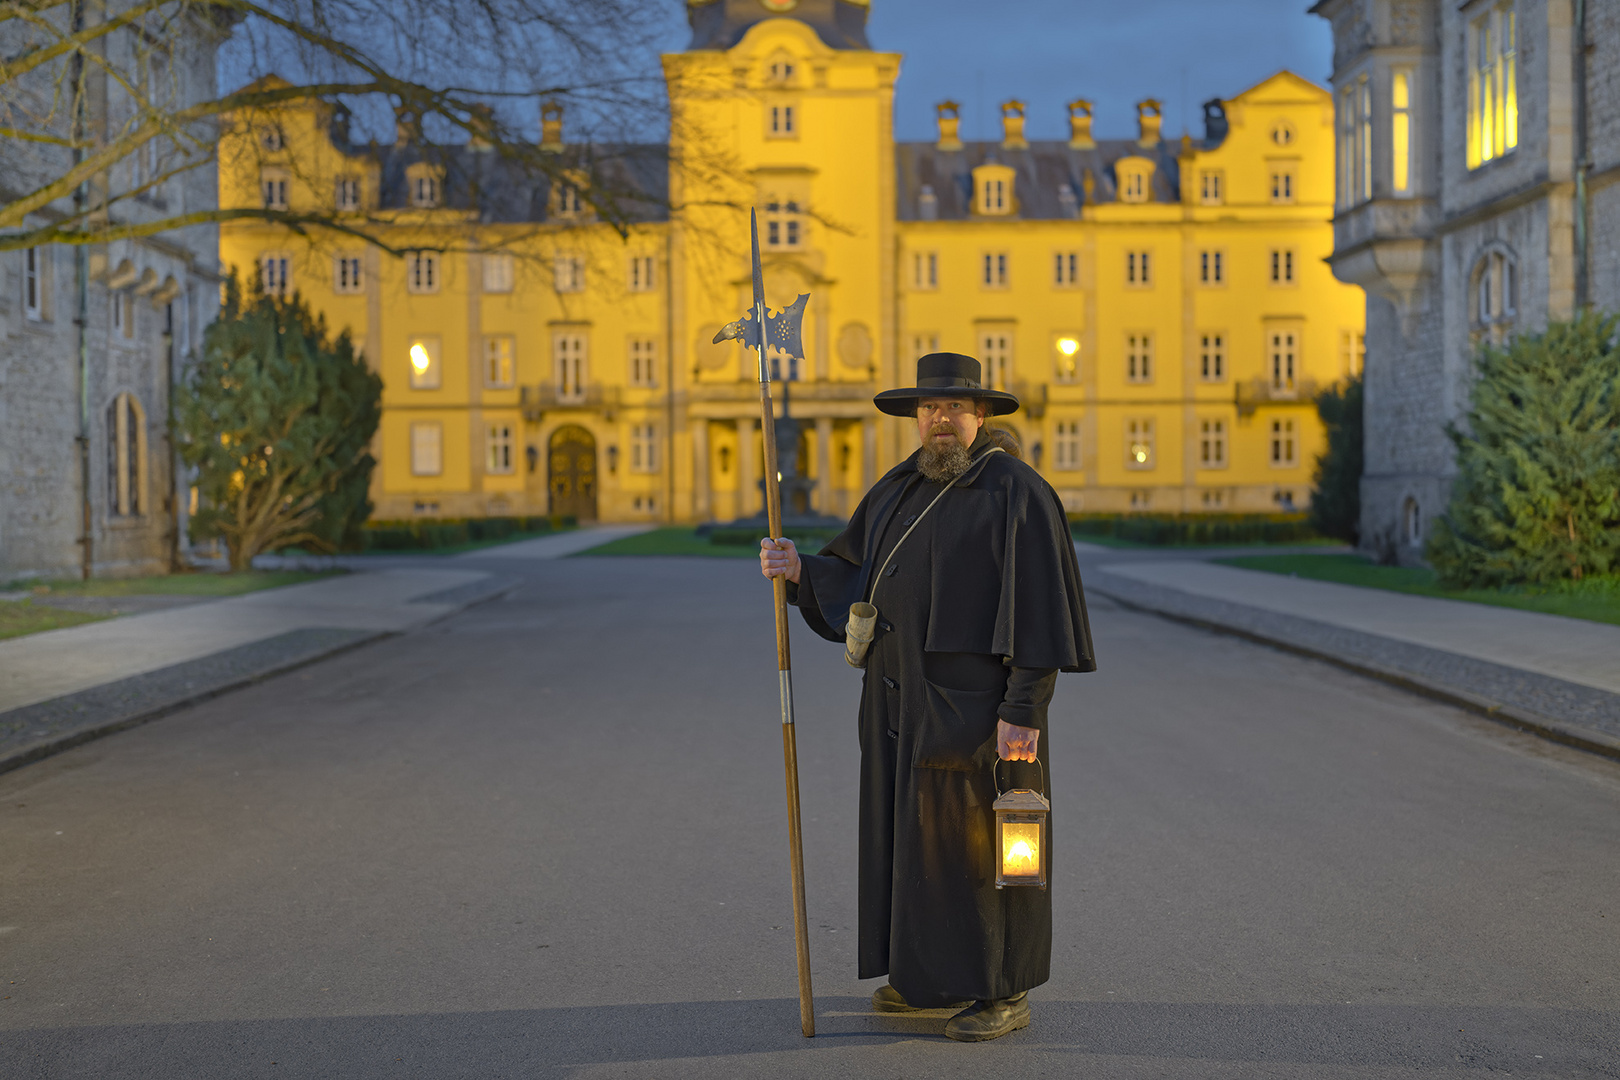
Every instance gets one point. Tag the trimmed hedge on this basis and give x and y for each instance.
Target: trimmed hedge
(1195, 528)
(429, 533)
(802, 538)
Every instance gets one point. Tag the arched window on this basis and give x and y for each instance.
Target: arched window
(1494, 297)
(1412, 522)
(126, 456)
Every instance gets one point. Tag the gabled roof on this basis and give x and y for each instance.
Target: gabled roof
(1043, 171)
(720, 24)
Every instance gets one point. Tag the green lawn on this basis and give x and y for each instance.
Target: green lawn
(1598, 601)
(195, 583)
(19, 617)
(677, 541)
(1116, 542)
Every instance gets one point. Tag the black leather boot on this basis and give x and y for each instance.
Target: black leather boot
(984, 1020)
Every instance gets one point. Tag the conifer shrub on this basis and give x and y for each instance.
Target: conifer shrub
(1536, 500)
(277, 418)
(1336, 503)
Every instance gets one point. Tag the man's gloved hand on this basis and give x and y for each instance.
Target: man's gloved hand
(1015, 743)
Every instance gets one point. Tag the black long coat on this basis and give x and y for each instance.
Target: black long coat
(987, 581)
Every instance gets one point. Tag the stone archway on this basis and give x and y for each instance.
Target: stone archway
(571, 472)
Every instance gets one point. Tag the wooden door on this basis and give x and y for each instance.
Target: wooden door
(571, 472)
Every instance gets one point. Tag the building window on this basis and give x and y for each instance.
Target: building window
(427, 448)
(1139, 357)
(273, 188)
(783, 228)
(1133, 186)
(644, 448)
(1212, 267)
(1495, 301)
(1066, 445)
(996, 352)
(568, 273)
(1211, 187)
(643, 362)
(1355, 143)
(274, 273)
(33, 283)
(641, 273)
(423, 356)
(348, 275)
(1066, 357)
(783, 122)
(923, 344)
(1282, 184)
(993, 196)
(1493, 94)
(499, 273)
(925, 270)
(498, 365)
(1214, 499)
(1283, 133)
(1364, 138)
(568, 350)
(1412, 522)
(1139, 444)
(1282, 266)
(1212, 356)
(1283, 360)
(995, 269)
(270, 140)
(1139, 268)
(1283, 450)
(1352, 352)
(424, 188)
(780, 71)
(1066, 269)
(123, 314)
(348, 193)
(126, 456)
(422, 272)
(1400, 132)
(498, 449)
(1212, 443)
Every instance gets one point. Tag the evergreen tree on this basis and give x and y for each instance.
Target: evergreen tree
(1537, 494)
(276, 419)
(1336, 503)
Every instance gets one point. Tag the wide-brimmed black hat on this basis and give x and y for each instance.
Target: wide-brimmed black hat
(940, 375)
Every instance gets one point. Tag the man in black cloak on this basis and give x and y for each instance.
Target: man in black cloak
(978, 610)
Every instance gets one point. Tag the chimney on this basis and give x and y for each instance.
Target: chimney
(949, 122)
(1080, 125)
(1149, 115)
(407, 126)
(551, 125)
(481, 122)
(1012, 126)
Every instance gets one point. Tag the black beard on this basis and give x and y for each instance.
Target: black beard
(943, 462)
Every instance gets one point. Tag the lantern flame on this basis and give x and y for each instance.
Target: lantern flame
(1020, 855)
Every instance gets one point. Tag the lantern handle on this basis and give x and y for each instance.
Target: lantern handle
(995, 777)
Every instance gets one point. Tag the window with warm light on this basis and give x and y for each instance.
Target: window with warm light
(568, 354)
(1066, 269)
(996, 354)
(1212, 267)
(995, 270)
(643, 362)
(499, 273)
(427, 448)
(422, 353)
(422, 272)
(1284, 451)
(1212, 443)
(1400, 132)
(1212, 356)
(1493, 95)
(1066, 445)
(1139, 443)
(498, 367)
(1139, 357)
(498, 450)
(1066, 358)
(1283, 360)
(348, 274)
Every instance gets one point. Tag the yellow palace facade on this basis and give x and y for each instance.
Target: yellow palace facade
(1161, 306)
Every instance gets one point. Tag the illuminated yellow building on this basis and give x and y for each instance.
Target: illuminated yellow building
(1161, 307)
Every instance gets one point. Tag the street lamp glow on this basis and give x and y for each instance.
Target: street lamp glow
(1068, 346)
(420, 359)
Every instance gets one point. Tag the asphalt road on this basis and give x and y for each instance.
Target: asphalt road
(545, 838)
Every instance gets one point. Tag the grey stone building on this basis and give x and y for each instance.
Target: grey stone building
(92, 336)
(1478, 149)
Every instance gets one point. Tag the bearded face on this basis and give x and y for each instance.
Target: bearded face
(947, 427)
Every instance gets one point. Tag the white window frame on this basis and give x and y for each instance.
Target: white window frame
(1282, 266)
(273, 188)
(1139, 444)
(644, 447)
(782, 121)
(1352, 351)
(784, 227)
(1211, 187)
(34, 280)
(643, 273)
(422, 272)
(570, 351)
(498, 457)
(1066, 445)
(997, 272)
(1139, 268)
(643, 354)
(500, 272)
(1212, 266)
(568, 273)
(996, 354)
(1283, 358)
(924, 271)
(500, 363)
(348, 273)
(1212, 356)
(1284, 183)
(275, 272)
(924, 343)
(1066, 269)
(346, 194)
(1133, 186)
(424, 189)
(1284, 443)
(993, 195)
(1212, 444)
(1139, 357)
(427, 448)
(126, 456)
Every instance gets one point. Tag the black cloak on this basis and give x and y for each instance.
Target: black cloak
(986, 583)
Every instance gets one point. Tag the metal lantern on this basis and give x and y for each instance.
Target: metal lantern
(1021, 834)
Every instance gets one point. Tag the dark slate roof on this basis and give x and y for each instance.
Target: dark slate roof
(1042, 173)
(720, 24)
(634, 174)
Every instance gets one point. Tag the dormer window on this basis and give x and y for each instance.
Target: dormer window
(1135, 178)
(270, 140)
(993, 190)
(783, 229)
(568, 199)
(422, 183)
(781, 70)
